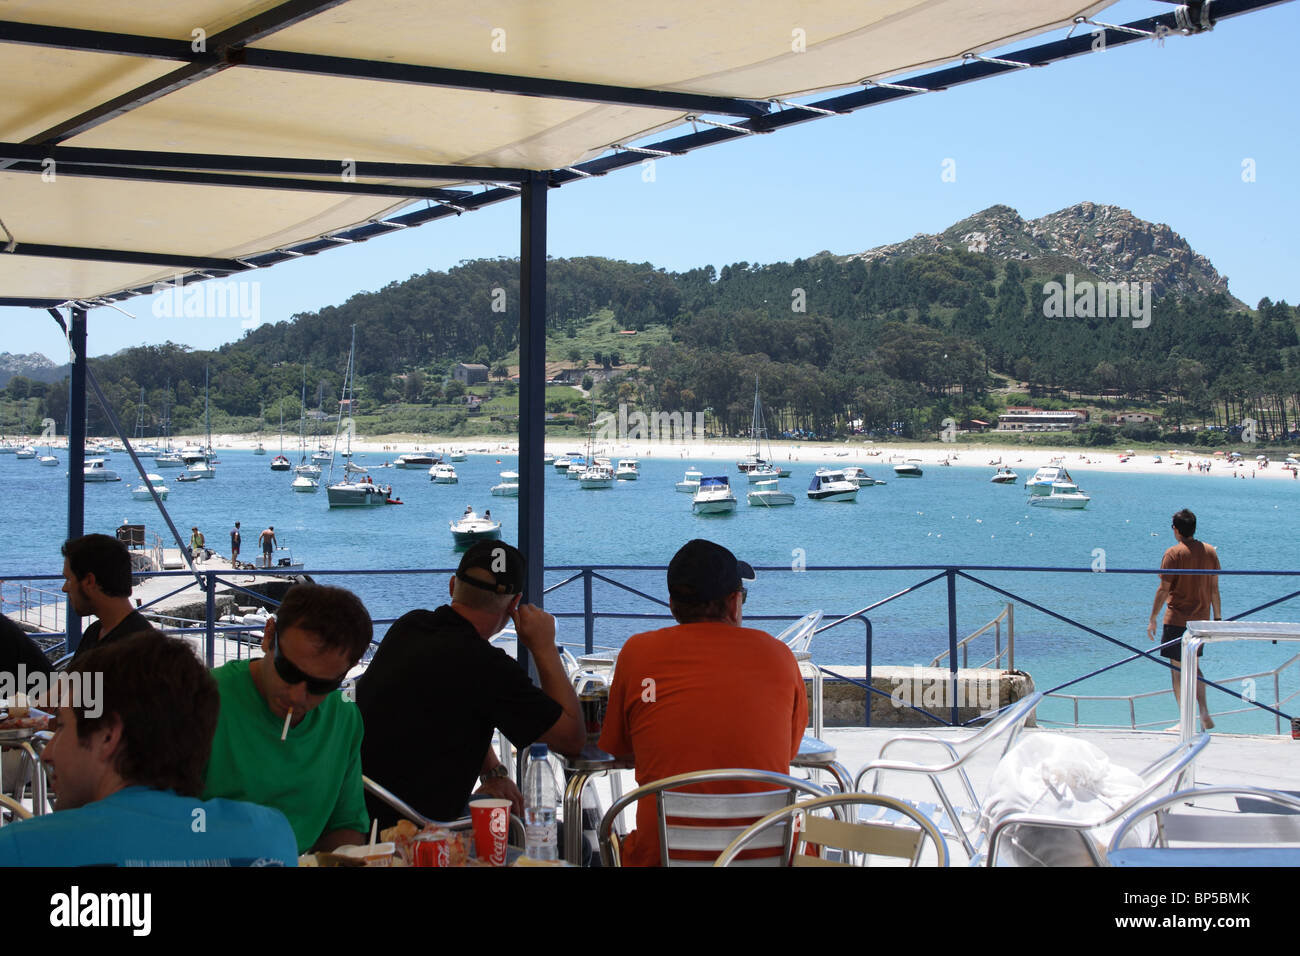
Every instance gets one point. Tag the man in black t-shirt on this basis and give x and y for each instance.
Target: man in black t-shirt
(437, 689)
(97, 580)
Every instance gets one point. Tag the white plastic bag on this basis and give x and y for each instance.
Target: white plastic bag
(1066, 778)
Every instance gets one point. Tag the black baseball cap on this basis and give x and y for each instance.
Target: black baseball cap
(501, 560)
(703, 571)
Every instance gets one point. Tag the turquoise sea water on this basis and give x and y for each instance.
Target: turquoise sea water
(951, 516)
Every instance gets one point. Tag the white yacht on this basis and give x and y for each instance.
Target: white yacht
(1004, 476)
(691, 483)
(908, 470)
(168, 459)
(355, 490)
(48, 459)
(27, 451)
(1043, 479)
(828, 485)
(509, 486)
(471, 528)
(94, 470)
(577, 465)
(629, 469)
(443, 474)
(306, 483)
(763, 472)
(202, 469)
(307, 470)
(457, 454)
(564, 461)
(417, 460)
(714, 496)
(1060, 494)
(860, 477)
(141, 491)
(597, 475)
(766, 494)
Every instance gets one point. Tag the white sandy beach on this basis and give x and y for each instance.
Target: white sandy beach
(881, 455)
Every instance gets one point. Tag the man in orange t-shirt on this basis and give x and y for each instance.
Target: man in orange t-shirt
(1191, 597)
(707, 694)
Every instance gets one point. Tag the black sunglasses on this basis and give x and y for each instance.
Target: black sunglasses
(290, 674)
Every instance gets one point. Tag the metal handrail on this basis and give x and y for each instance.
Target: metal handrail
(1009, 615)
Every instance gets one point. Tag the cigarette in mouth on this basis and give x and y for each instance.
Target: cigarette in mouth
(287, 717)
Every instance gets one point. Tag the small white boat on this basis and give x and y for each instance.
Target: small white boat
(1043, 479)
(202, 469)
(27, 451)
(714, 496)
(548, 459)
(860, 477)
(260, 449)
(308, 470)
(577, 465)
(191, 454)
(471, 528)
(321, 456)
(597, 476)
(305, 483)
(762, 473)
(416, 460)
(360, 492)
(691, 483)
(766, 494)
(828, 485)
(1062, 494)
(443, 474)
(280, 463)
(564, 461)
(141, 491)
(509, 486)
(48, 460)
(168, 459)
(908, 470)
(1005, 476)
(94, 470)
(629, 469)
(8, 448)
(457, 454)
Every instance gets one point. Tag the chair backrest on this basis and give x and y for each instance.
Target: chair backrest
(1219, 828)
(1006, 726)
(857, 842)
(697, 823)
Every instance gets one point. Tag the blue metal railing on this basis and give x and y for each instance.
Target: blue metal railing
(589, 575)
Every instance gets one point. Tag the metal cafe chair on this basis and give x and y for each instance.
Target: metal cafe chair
(857, 842)
(1216, 836)
(956, 819)
(696, 818)
(1028, 832)
(798, 636)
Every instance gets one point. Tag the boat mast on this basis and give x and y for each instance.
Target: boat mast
(302, 420)
(347, 381)
(207, 411)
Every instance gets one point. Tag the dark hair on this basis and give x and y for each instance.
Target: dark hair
(104, 557)
(1185, 523)
(166, 702)
(335, 615)
(689, 612)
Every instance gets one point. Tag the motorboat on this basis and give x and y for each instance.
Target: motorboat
(509, 486)
(457, 454)
(183, 477)
(1061, 494)
(714, 496)
(763, 472)
(280, 463)
(192, 454)
(260, 449)
(48, 459)
(691, 483)
(860, 477)
(1043, 479)
(1005, 476)
(548, 459)
(577, 465)
(472, 528)
(307, 470)
(597, 475)
(564, 461)
(141, 491)
(168, 459)
(766, 494)
(443, 474)
(202, 469)
(305, 483)
(95, 470)
(908, 470)
(27, 451)
(828, 485)
(417, 460)
(629, 469)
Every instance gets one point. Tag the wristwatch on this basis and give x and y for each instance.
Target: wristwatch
(497, 772)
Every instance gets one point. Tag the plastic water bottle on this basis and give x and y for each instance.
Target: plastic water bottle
(541, 797)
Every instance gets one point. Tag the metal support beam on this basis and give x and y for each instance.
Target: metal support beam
(76, 453)
(532, 382)
(87, 254)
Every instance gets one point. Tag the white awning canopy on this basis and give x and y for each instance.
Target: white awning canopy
(232, 91)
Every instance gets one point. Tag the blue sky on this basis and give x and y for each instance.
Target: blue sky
(1159, 130)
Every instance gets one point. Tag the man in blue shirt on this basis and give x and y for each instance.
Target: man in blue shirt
(135, 726)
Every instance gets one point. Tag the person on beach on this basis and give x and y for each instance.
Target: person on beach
(97, 581)
(1191, 597)
(286, 738)
(235, 541)
(706, 694)
(480, 688)
(127, 772)
(268, 542)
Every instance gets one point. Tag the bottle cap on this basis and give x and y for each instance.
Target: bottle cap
(538, 751)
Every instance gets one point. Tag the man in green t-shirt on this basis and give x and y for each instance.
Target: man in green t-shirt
(286, 737)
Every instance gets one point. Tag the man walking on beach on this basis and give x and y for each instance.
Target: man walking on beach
(267, 539)
(235, 541)
(1191, 597)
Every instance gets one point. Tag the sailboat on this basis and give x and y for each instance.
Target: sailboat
(598, 473)
(279, 462)
(261, 420)
(306, 474)
(201, 467)
(167, 457)
(354, 491)
(755, 465)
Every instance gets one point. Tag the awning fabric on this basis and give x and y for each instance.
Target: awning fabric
(756, 50)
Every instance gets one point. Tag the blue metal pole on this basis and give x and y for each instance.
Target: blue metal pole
(952, 642)
(210, 644)
(867, 716)
(76, 453)
(588, 623)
